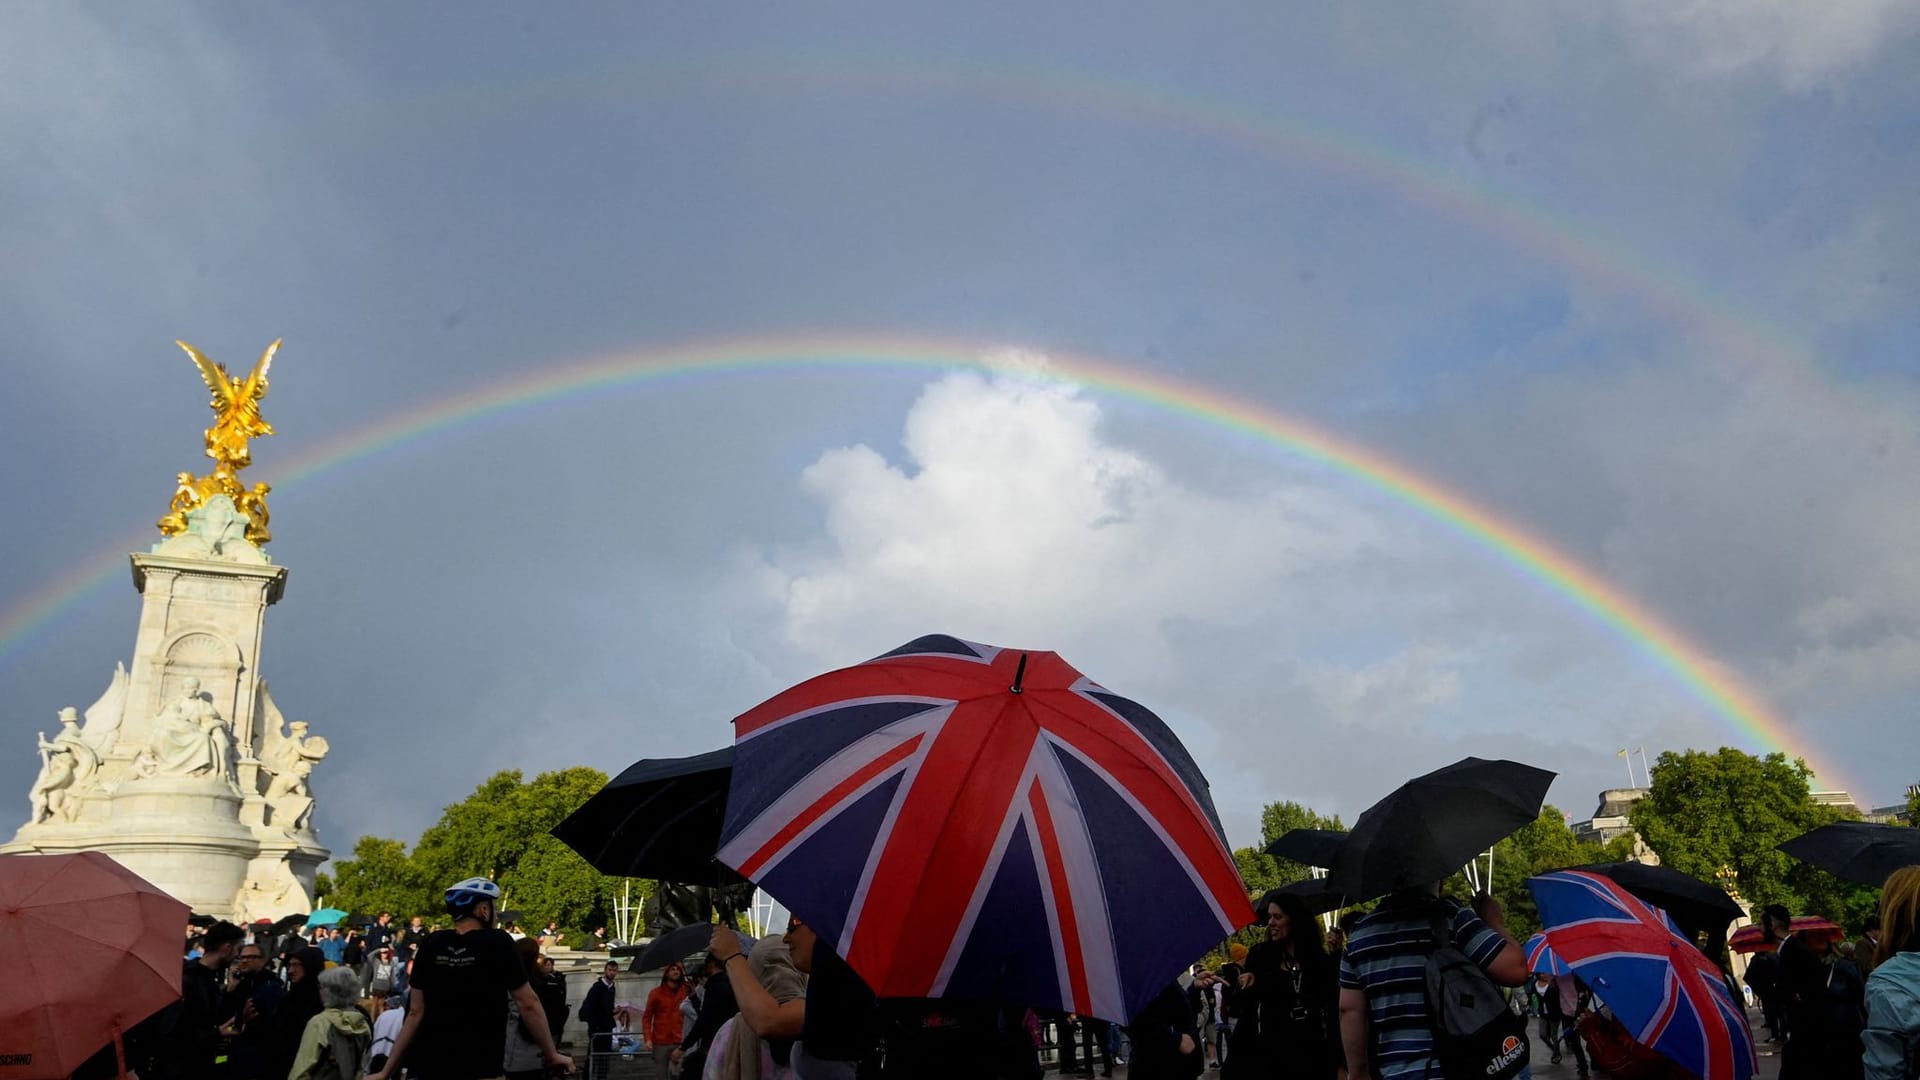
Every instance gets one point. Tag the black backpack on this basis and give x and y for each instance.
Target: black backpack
(1475, 1034)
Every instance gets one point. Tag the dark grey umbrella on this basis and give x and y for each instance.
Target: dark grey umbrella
(1432, 825)
(659, 819)
(674, 946)
(1862, 852)
(1694, 905)
(1310, 847)
(1318, 896)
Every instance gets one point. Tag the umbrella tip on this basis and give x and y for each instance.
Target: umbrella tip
(1020, 673)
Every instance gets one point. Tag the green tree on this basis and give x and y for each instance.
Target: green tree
(1913, 806)
(1728, 809)
(381, 877)
(501, 831)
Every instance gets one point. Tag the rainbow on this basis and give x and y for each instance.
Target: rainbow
(1689, 664)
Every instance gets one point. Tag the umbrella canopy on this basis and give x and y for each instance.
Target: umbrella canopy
(1315, 893)
(1692, 904)
(1670, 997)
(1750, 939)
(1862, 852)
(676, 945)
(1434, 824)
(1542, 960)
(969, 822)
(288, 923)
(90, 949)
(326, 916)
(658, 819)
(1311, 847)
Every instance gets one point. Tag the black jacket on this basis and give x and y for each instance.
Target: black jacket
(193, 1030)
(596, 1009)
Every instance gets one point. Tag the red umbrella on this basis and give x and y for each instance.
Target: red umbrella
(1749, 939)
(89, 949)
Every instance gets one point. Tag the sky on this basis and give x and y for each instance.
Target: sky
(1639, 278)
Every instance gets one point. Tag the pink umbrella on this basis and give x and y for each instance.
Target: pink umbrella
(89, 949)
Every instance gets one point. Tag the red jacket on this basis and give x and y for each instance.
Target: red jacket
(660, 1022)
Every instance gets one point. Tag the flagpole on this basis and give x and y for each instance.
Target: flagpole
(1629, 760)
(1646, 773)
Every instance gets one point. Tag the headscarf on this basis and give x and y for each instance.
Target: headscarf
(772, 964)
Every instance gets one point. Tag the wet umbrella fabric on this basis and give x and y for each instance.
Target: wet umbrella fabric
(1318, 897)
(1749, 939)
(1670, 997)
(1433, 825)
(1862, 852)
(1542, 960)
(1309, 847)
(1693, 905)
(660, 819)
(675, 946)
(969, 822)
(90, 949)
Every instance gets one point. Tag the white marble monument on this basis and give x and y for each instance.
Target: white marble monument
(184, 770)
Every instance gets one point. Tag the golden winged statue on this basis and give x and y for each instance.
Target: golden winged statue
(237, 420)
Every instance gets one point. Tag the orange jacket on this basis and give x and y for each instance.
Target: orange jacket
(660, 1022)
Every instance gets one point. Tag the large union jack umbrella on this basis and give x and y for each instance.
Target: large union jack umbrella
(968, 822)
(1671, 998)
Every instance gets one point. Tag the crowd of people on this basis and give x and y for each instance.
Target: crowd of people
(472, 1001)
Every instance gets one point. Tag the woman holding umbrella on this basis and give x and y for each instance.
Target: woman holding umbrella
(1288, 1003)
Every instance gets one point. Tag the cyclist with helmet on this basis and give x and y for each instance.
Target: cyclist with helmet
(456, 1026)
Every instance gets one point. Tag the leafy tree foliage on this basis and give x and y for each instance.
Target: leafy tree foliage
(1728, 809)
(501, 831)
(1913, 806)
(380, 877)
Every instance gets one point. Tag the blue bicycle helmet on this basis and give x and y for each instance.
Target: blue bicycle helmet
(462, 897)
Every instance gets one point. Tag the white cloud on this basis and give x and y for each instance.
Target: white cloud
(1803, 43)
(1013, 520)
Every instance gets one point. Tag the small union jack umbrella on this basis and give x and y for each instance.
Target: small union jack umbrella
(1542, 960)
(1670, 997)
(967, 822)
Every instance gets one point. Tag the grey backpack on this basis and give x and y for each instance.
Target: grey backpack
(1475, 1033)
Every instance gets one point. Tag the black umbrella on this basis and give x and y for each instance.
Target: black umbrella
(289, 922)
(674, 946)
(1859, 851)
(1432, 825)
(1310, 847)
(1694, 905)
(1318, 896)
(659, 819)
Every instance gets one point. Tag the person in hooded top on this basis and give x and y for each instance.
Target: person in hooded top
(334, 1044)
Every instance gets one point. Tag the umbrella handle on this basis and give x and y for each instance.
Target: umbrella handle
(119, 1052)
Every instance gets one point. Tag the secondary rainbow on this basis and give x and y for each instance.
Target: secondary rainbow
(1646, 631)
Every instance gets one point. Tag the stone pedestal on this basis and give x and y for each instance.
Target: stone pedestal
(185, 771)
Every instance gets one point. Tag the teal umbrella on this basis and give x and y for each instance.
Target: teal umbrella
(326, 916)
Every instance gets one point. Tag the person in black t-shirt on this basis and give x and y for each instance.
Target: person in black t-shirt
(456, 1027)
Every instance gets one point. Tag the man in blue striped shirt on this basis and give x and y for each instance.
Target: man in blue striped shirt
(1383, 990)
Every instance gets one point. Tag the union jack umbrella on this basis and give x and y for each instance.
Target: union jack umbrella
(968, 822)
(1542, 960)
(1670, 997)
